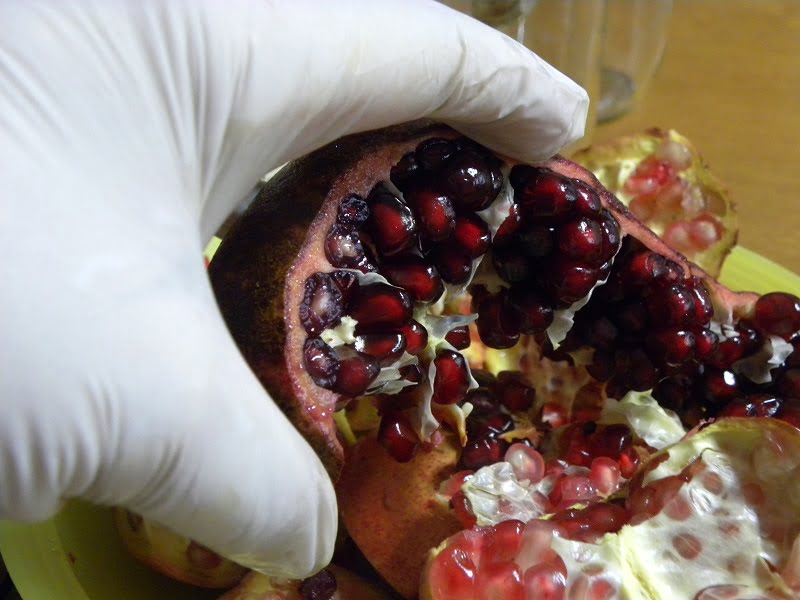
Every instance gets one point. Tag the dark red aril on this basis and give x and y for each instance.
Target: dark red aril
(472, 234)
(582, 239)
(416, 337)
(601, 333)
(380, 305)
(612, 239)
(674, 393)
(672, 346)
(642, 269)
(404, 172)
(631, 317)
(412, 273)
(719, 387)
(534, 312)
(778, 313)
(451, 381)
(567, 281)
(497, 326)
(412, 373)
(541, 193)
(458, 337)
(509, 226)
(491, 425)
(321, 307)
(788, 384)
(671, 305)
(602, 366)
(635, 370)
(728, 352)
(537, 242)
(482, 452)
(434, 211)
(432, 154)
(343, 248)
(706, 343)
(483, 402)
(356, 373)
(397, 437)
(347, 283)
(472, 181)
(588, 203)
(514, 392)
(321, 586)
(703, 308)
(321, 362)
(386, 347)
(454, 265)
(391, 222)
(510, 263)
(353, 211)
(756, 405)
(752, 339)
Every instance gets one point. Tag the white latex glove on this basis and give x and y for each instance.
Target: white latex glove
(128, 132)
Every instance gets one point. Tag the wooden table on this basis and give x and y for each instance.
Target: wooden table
(730, 81)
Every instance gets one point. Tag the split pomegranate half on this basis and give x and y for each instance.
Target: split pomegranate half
(489, 337)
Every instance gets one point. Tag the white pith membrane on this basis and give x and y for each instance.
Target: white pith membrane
(730, 531)
(496, 495)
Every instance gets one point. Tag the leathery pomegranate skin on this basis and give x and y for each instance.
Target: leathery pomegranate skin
(325, 313)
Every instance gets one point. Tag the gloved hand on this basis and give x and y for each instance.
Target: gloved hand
(129, 131)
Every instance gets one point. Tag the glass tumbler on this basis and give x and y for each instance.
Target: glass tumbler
(634, 42)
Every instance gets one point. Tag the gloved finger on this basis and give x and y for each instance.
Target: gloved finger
(199, 447)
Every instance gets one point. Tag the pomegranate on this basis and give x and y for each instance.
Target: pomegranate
(477, 382)
(662, 178)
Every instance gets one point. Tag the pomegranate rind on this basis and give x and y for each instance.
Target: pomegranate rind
(613, 163)
(260, 587)
(175, 556)
(392, 510)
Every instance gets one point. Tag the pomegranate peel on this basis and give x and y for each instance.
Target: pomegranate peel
(688, 206)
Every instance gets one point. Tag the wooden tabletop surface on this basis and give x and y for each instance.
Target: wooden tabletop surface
(730, 81)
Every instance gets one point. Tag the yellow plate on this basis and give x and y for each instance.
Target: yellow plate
(77, 556)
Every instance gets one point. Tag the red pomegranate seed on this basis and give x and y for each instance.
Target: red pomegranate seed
(651, 176)
(542, 193)
(434, 210)
(497, 326)
(605, 475)
(643, 268)
(582, 240)
(509, 227)
(671, 305)
(482, 400)
(546, 580)
(321, 362)
(778, 313)
(514, 392)
(321, 307)
(628, 462)
(432, 154)
(343, 248)
(612, 239)
(452, 377)
(704, 231)
(643, 207)
(380, 305)
(605, 517)
(610, 441)
(452, 575)
(347, 283)
(756, 405)
(404, 172)
(483, 452)
(321, 586)
(458, 337)
(472, 181)
(397, 437)
(752, 340)
(463, 509)
(499, 581)
(632, 317)
(634, 370)
(572, 489)
(416, 337)
(353, 211)
(527, 463)
(537, 242)
(510, 263)
(588, 203)
(471, 233)
(568, 281)
(602, 367)
(386, 347)
(706, 343)
(533, 311)
(602, 589)
(355, 374)
(415, 276)
(703, 308)
(503, 542)
(454, 265)
(391, 222)
(673, 346)
(719, 386)
(788, 384)
(490, 426)
(601, 333)
(412, 373)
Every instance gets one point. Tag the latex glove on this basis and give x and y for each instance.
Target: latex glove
(129, 131)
